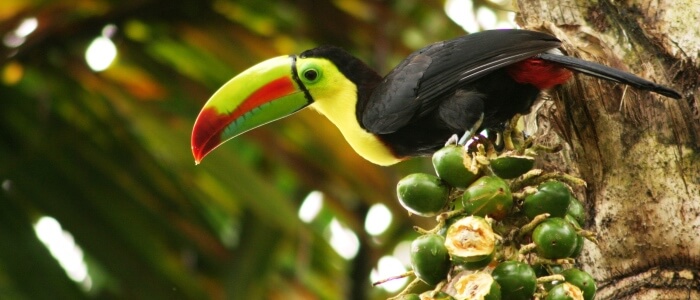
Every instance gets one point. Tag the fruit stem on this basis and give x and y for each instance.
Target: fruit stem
(560, 261)
(441, 218)
(385, 280)
(531, 226)
(480, 160)
(589, 235)
(536, 176)
(525, 149)
(423, 231)
(527, 191)
(439, 286)
(449, 214)
(546, 149)
(407, 289)
(508, 132)
(550, 278)
(525, 249)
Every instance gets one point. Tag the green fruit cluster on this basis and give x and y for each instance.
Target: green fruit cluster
(493, 241)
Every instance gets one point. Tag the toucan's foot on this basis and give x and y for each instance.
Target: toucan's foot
(511, 131)
(452, 140)
(468, 135)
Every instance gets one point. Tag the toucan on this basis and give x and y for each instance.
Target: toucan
(473, 82)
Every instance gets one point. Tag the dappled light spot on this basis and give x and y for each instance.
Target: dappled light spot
(343, 240)
(62, 247)
(473, 19)
(378, 219)
(17, 37)
(100, 54)
(311, 206)
(486, 17)
(26, 27)
(389, 266)
(461, 12)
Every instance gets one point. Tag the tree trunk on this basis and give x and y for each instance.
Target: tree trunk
(639, 152)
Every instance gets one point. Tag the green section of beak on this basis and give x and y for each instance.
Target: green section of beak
(262, 94)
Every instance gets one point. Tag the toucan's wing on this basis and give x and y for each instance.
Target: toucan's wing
(420, 82)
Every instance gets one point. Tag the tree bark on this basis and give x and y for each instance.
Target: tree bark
(639, 152)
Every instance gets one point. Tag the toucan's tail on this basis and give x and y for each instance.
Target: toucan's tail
(608, 73)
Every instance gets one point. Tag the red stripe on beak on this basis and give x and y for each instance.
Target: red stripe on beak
(209, 126)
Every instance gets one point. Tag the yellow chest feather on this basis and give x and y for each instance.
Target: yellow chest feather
(339, 108)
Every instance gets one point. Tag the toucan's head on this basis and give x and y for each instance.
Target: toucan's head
(271, 90)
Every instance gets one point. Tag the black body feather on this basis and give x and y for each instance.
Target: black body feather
(444, 88)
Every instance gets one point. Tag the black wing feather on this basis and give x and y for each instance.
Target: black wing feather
(430, 75)
(608, 73)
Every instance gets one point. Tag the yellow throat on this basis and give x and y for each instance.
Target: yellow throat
(338, 105)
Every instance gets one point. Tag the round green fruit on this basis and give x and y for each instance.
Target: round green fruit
(429, 258)
(477, 286)
(582, 280)
(422, 194)
(576, 210)
(555, 238)
(517, 280)
(579, 241)
(565, 291)
(432, 295)
(443, 231)
(488, 196)
(449, 165)
(509, 167)
(542, 270)
(479, 264)
(579, 247)
(410, 297)
(552, 197)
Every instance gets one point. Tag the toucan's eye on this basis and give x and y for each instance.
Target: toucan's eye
(311, 75)
(310, 71)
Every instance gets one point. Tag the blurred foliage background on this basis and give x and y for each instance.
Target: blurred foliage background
(100, 197)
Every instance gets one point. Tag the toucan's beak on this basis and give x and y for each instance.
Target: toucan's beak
(264, 93)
